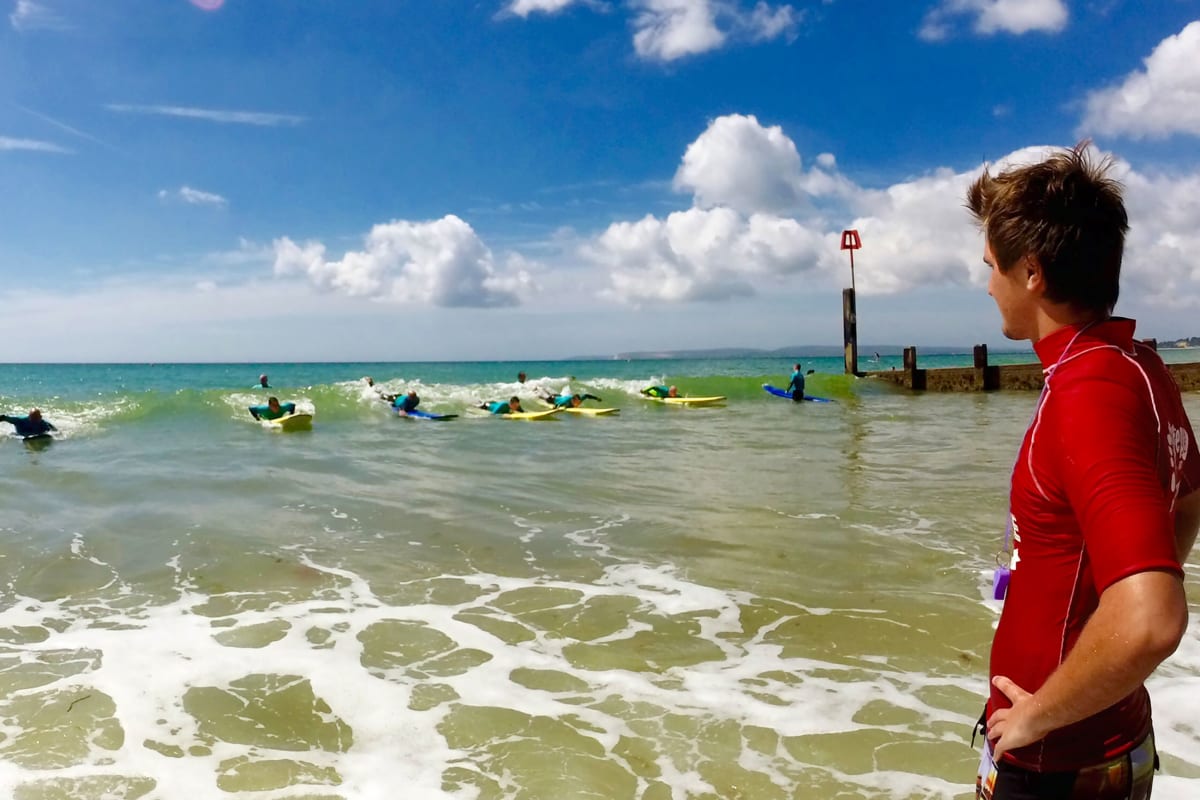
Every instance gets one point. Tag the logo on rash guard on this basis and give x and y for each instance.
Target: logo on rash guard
(1016, 534)
(1177, 449)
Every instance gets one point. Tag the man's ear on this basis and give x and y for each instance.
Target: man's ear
(1035, 278)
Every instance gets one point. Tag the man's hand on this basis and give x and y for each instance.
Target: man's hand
(1010, 728)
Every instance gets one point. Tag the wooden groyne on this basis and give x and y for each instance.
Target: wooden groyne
(984, 377)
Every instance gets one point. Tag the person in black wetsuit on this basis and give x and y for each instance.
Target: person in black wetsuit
(30, 425)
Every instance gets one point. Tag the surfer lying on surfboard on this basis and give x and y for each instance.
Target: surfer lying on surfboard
(30, 425)
(571, 400)
(513, 406)
(272, 410)
(660, 391)
(565, 397)
(405, 403)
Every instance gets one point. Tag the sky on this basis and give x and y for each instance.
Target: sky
(393, 180)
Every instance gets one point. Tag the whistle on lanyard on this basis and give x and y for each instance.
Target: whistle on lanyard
(1000, 580)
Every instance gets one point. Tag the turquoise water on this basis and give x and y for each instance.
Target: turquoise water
(760, 600)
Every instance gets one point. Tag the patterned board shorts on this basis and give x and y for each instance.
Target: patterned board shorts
(1127, 777)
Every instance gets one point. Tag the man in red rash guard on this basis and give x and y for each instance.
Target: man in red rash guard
(1104, 498)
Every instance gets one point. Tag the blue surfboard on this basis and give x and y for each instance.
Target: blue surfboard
(784, 393)
(418, 414)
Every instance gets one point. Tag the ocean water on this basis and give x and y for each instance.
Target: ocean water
(761, 600)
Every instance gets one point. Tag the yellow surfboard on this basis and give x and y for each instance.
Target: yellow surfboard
(291, 422)
(530, 415)
(581, 411)
(689, 401)
(591, 412)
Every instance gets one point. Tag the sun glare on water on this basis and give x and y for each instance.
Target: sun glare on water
(208, 5)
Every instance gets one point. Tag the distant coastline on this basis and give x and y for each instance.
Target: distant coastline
(865, 352)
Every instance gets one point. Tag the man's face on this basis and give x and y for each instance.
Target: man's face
(1013, 298)
(273, 404)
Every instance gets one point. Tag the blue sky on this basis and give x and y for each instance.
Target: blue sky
(399, 180)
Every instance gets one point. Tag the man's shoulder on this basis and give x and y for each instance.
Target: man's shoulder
(1108, 364)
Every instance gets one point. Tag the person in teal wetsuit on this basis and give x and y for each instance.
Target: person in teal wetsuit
(796, 385)
(572, 400)
(660, 391)
(272, 410)
(513, 406)
(31, 425)
(405, 403)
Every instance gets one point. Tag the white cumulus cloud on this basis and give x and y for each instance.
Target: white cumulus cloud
(701, 254)
(523, 8)
(747, 182)
(666, 30)
(195, 197)
(1161, 267)
(1155, 102)
(738, 162)
(916, 233)
(758, 220)
(766, 22)
(996, 16)
(441, 263)
(671, 29)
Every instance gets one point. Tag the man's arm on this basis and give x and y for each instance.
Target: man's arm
(1187, 522)
(50, 426)
(253, 412)
(1138, 623)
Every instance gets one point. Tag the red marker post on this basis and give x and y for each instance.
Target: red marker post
(850, 241)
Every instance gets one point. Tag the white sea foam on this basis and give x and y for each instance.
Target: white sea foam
(147, 657)
(160, 651)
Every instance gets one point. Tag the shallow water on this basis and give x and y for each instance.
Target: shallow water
(760, 600)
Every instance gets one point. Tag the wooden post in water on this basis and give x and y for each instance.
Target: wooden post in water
(850, 241)
(989, 377)
(916, 377)
(850, 331)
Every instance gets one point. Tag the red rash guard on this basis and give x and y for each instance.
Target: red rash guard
(1093, 496)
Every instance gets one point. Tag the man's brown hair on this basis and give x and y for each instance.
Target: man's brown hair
(1066, 213)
